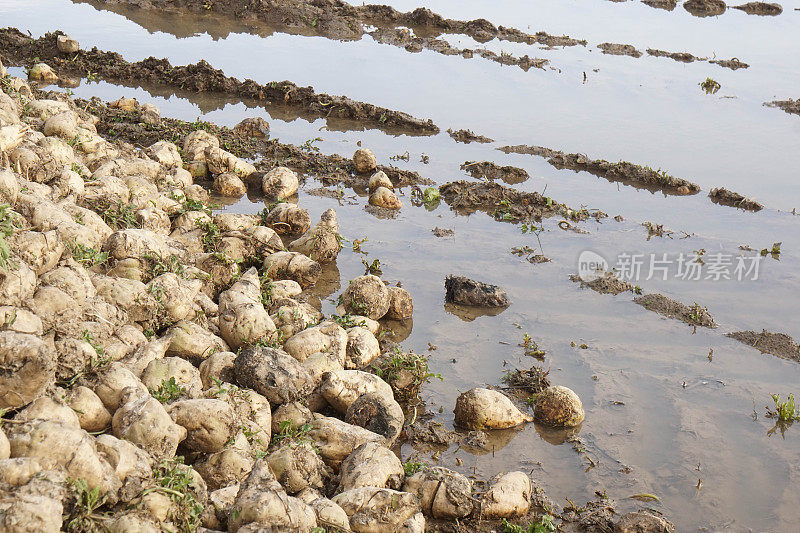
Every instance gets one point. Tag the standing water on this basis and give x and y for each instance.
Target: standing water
(675, 416)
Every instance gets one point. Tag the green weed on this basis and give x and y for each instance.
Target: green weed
(168, 391)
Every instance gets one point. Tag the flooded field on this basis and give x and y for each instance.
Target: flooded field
(673, 410)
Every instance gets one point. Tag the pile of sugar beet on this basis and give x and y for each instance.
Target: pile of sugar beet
(162, 369)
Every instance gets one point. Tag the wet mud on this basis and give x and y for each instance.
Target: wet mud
(790, 106)
(705, 8)
(778, 344)
(505, 203)
(608, 283)
(683, 57)
(201, 77)
(723, 196)
(694, 315)
(686, 57)
(623, 171)
(760, 8)
(491, 171)
(468, 136)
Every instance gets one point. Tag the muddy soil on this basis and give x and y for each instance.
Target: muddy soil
(683, 57)
(490, 171)
(468, 136)
(733, 63)
(505, 203)
(18, 48)
(694, 315)
(667, 5)
(705, 8)
(760, 8)
(623, 171)
(442, 232)
(608, 283)
(778, 344)
(616, 49)
(730, 198)
(790, 106)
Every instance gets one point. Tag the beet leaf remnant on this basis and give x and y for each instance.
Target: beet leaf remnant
(710, 86)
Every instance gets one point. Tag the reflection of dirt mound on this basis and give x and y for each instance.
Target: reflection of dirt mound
(340, 20)
(490, 171)
(778, 344)
(201, 77)
(469, 313)
(469, 196)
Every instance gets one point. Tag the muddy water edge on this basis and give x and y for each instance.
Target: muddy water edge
(672, 410)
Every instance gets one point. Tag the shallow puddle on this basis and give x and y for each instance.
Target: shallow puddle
(669, 408)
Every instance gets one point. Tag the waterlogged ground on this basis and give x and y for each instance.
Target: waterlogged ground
(671, 410)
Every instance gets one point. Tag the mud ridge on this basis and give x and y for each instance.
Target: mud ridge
(686, 57)
(200, 77)
(403, 38)
(507, 204)
(119, 125)
(623, 171)
(608, 283)
(733, 199)
(491, 171)
(778, 344)
(790, 106)
(340, 20)
(468, 136)
(694, 315)
(760, 8)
